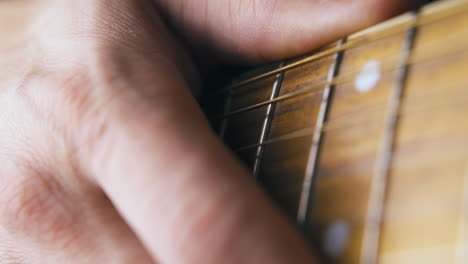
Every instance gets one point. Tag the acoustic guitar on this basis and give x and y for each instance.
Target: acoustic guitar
(364, 143)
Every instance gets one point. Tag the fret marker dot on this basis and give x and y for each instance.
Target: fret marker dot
(369, 77)
(337, 238)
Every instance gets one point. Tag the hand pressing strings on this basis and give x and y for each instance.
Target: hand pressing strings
(105, 156)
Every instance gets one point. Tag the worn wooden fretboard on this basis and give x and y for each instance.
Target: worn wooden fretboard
(365, 142)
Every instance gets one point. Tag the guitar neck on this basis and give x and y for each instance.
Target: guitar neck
(365, 141)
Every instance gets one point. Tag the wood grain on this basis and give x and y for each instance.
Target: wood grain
(426, 206)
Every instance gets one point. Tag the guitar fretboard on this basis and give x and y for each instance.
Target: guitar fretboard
(365, 142)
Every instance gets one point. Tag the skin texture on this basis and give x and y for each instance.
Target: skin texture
(105, 155)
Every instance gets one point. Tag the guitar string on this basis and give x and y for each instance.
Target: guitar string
(344, 122)
(307, 132)
(294, 65)
(227, 108)
(311, 90)
(373, 37)
(412, 104)
(421, 104)
(429, 51)
(384, 157)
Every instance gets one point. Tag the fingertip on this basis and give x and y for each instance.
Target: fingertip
(296, 27)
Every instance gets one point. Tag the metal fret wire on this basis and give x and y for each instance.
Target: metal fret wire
(372, 229)
(227, 108)
(305, 198)
(268, 119)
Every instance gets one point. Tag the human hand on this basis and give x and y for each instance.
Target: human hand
(105, 156)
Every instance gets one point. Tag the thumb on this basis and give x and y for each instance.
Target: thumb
(272, 29)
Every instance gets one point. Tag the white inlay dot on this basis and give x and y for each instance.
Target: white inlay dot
(369, 77)
(337, 238)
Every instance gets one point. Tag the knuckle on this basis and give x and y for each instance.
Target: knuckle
(9, 253)
(24, 204)
(31, 208)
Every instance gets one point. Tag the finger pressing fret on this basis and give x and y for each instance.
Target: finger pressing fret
(429, 14)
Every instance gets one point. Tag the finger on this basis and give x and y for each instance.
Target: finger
(183, 194)
(273, 29)
(153, 153)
